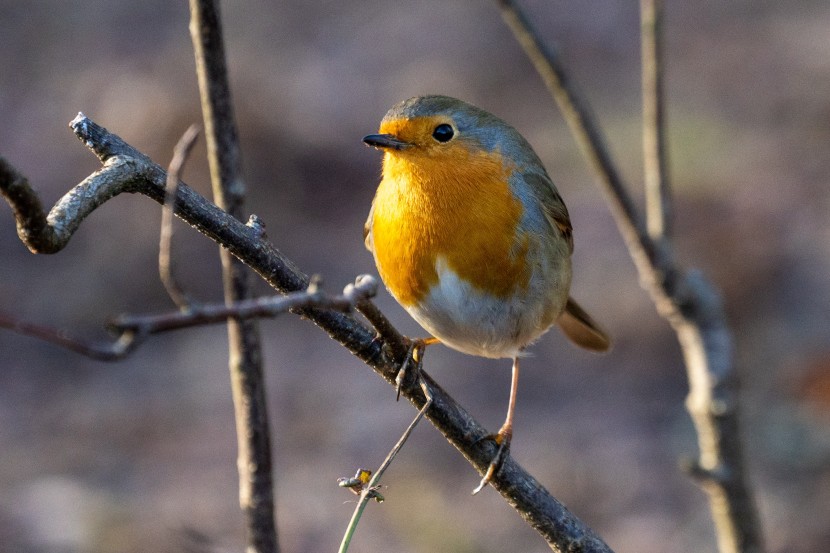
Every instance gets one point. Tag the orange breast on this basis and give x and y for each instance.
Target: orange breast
(457, 206)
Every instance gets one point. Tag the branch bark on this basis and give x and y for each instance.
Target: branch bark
(125, 169)
(256, 486)
(686, 299)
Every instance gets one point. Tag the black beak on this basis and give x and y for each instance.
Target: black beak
(385, 142)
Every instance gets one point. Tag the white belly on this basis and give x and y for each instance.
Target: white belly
(479, 323)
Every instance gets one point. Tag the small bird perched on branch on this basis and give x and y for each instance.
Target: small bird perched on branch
(471, 237)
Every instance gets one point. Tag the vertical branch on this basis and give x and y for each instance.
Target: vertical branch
(256, 495)
(705, 338)
(658, 192)
(685, 299)
(587, 134)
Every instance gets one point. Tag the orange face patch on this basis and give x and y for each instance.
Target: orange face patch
(445, 200)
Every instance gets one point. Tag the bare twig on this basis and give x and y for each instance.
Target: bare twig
(132, 330)
(168, 278)
(684, 298)
(255, 308)
(128, 170)
(125, 344)
(256, 489)
(369, 491)
(385, 329)
(655, 165)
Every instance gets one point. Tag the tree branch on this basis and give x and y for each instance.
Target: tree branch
(133, 330)
(256, 487)
(684, 298)
(125, 344)
(128, 170)
(655, 164)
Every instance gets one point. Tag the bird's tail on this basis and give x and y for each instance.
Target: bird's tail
(581, 329)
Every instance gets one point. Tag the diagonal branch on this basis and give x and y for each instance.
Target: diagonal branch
(686, 299)
(132, 171)
(369, 490)
(125, 344)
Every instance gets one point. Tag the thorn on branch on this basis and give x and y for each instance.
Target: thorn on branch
(256, 223)
(315, 285)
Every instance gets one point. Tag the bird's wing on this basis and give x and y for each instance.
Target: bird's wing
(367, 230)
(552, 204)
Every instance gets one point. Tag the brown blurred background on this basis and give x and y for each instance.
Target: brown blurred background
(140, 455)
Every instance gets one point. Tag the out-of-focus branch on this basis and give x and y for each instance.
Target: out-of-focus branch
(655, 165)
(713, 382)
(684, 298)
(128, 170)
(256, 486)
(125, 344)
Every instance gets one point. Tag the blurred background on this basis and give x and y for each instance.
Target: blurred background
(140, 455)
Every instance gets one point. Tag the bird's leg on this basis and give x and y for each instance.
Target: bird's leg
(415, 357)
(505, 433)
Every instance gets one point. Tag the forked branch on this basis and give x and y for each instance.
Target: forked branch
(684, 298)
(127, 170)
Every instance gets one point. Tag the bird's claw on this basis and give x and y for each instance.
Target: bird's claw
(414, 357)
(502, 439)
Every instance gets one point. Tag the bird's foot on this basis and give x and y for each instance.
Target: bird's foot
(413, 360)
(502, 439)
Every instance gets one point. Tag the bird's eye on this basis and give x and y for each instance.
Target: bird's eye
(443, 133)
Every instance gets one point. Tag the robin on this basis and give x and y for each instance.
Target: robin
(472, 238)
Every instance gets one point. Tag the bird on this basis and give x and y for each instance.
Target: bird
(472, 238)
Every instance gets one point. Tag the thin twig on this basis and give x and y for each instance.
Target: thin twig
(210, 313)
(125, 344)
(386, 331)
(256, 487)
(655, 165)
(369, 490)
(168, 278)
(132, 330)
